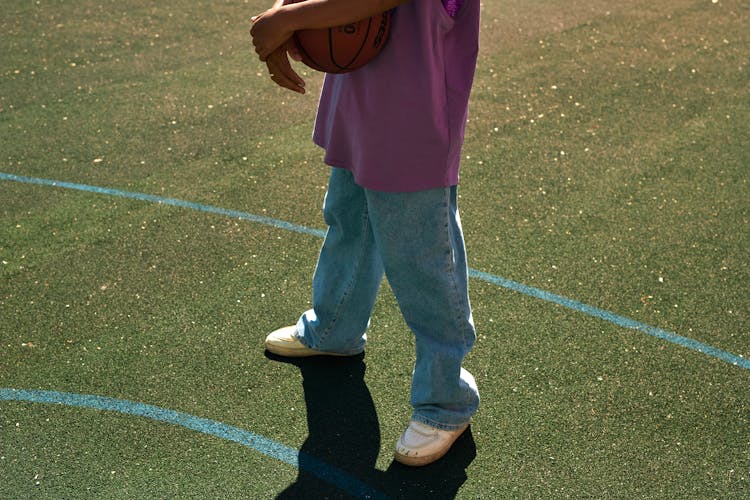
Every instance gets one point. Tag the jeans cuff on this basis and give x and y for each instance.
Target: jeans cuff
(438, 425)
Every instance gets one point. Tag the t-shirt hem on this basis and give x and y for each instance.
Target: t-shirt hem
(377, 184)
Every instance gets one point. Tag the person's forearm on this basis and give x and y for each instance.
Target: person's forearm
(274, 27)
(314, 14)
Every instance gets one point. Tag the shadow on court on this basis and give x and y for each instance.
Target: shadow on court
(337, 460)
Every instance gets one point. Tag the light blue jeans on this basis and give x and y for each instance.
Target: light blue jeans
(416, 240)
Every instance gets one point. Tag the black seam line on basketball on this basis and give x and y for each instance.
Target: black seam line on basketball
(330, 49)
(311, 58)
(361, 47)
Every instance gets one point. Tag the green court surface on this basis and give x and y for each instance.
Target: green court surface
(160, 213)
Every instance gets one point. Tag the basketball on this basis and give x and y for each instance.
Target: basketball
(344, 48)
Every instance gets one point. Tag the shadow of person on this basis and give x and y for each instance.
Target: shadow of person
(338, 458)
(343, 431)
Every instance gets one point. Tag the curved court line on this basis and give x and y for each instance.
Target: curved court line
(268, 447)
(574, 305)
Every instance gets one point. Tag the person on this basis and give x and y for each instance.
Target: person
(392, 132)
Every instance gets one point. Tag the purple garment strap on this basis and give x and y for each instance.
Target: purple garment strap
(452, 6)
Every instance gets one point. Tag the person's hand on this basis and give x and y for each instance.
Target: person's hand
(281, 70)
(269, 32)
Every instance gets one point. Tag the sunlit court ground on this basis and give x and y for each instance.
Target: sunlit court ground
(160, 213)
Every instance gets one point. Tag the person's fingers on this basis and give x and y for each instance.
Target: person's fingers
(282, 73)
(262, 35)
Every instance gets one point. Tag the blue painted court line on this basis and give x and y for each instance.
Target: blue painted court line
(618, 320)
(268, 447)
(574, 305)
(280, 224)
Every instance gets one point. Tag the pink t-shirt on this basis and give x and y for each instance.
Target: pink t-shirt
(398, 123)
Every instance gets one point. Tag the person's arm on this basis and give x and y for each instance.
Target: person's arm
(279, 68)
(272, 28)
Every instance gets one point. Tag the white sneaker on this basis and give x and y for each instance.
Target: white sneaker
(422, 444)
(284, 342)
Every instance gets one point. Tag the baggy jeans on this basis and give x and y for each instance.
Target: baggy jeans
(416, 240)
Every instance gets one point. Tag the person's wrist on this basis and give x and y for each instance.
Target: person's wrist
(288, 16)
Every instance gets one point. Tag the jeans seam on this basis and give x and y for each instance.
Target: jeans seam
(345, 296)
(455, 301)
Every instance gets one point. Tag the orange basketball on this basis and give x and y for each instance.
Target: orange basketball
(344, 48)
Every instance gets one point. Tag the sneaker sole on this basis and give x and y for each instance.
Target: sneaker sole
(419, 461)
